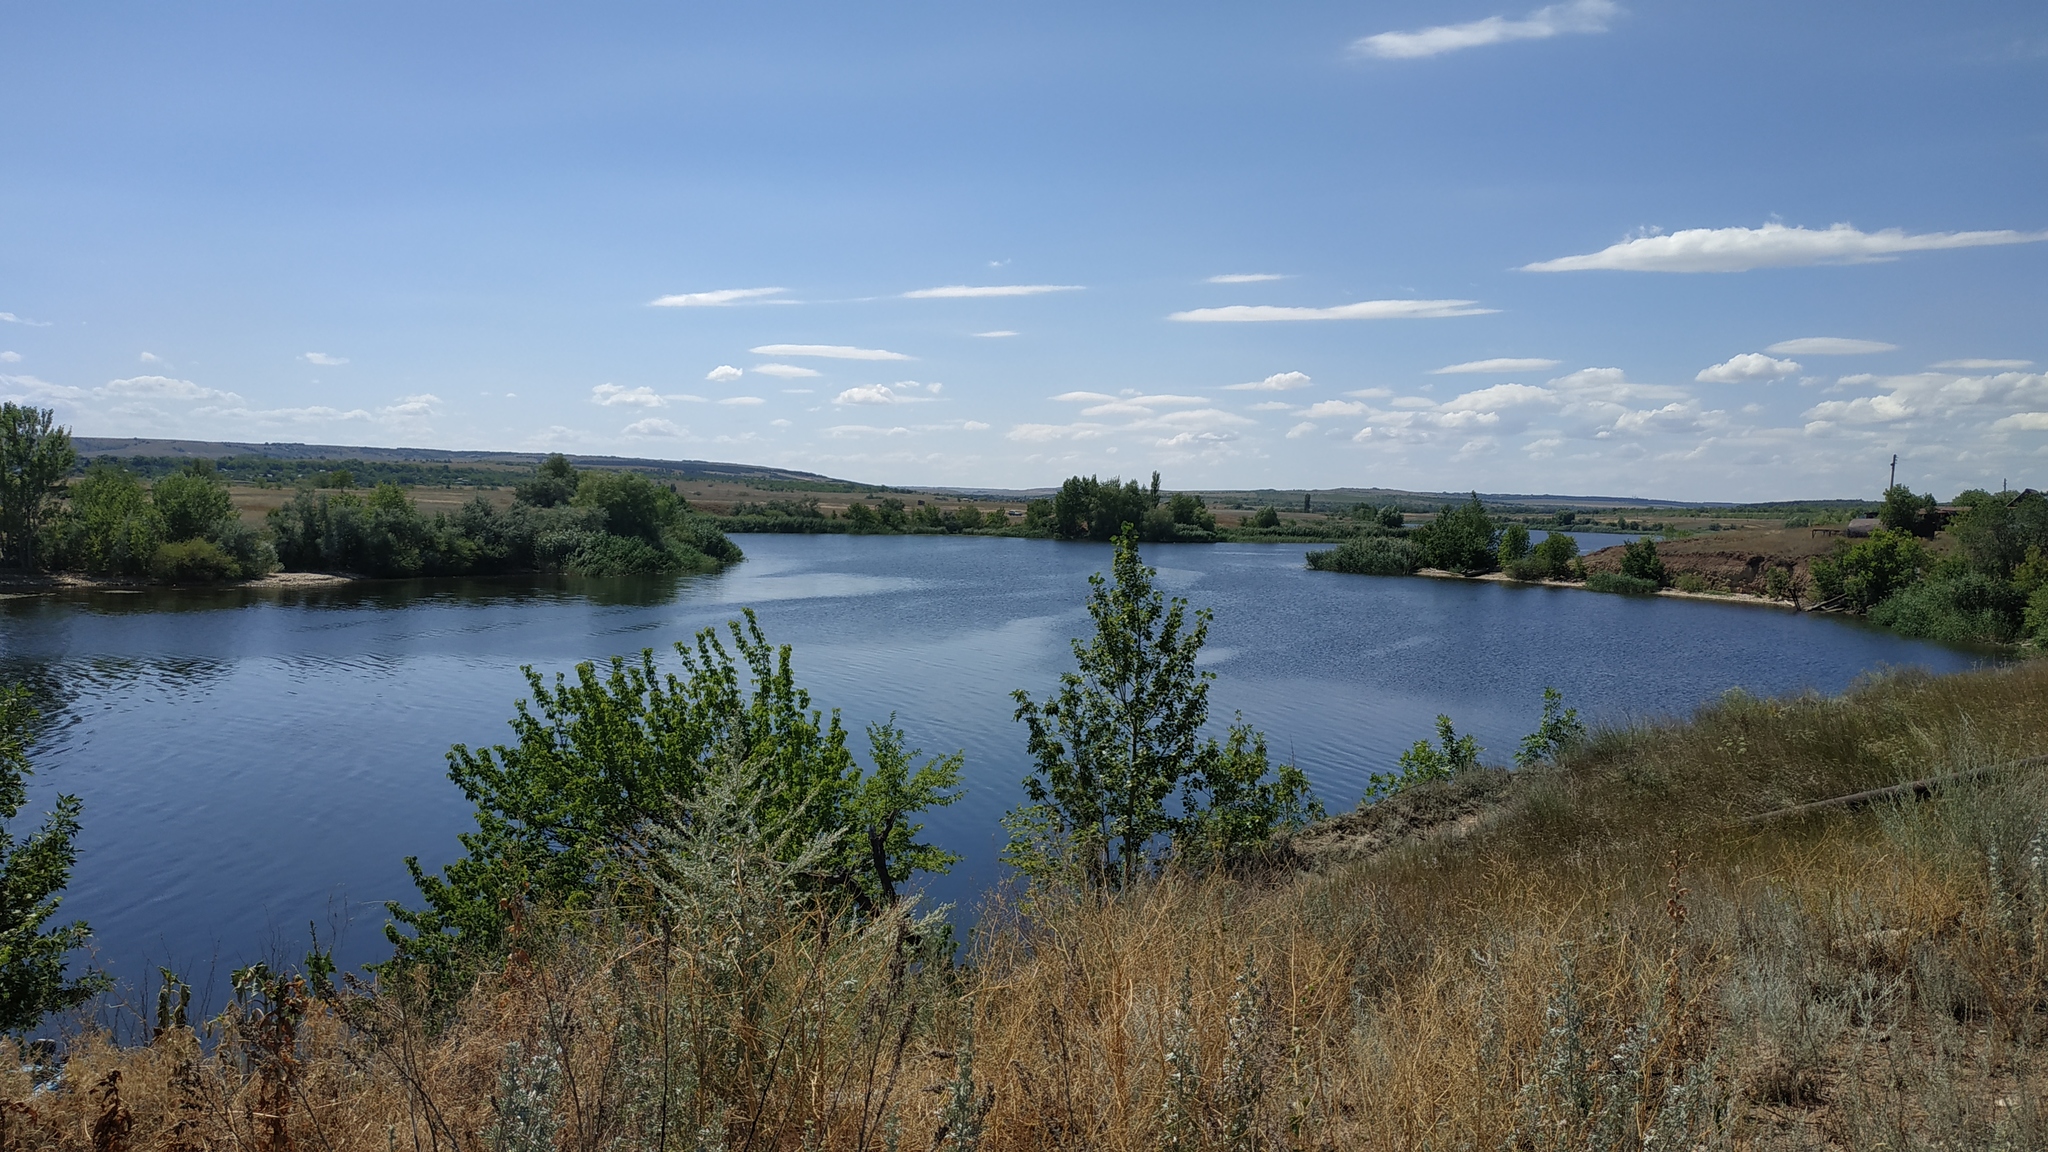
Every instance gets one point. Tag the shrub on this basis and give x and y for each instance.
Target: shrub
(192, 562)
(1864, 574)
(1620, 582)
(1551, 559)
(1559, 731)
(1639, 560)
(1460, 539)
(192, 503)
(1969, 607)
(1691, 582)
(1778, 583)
(109, 527)
(1268, 517)
(1369, 556)
(1424, 762)
(1514, 544)
(1905, 512)
(2037, 614)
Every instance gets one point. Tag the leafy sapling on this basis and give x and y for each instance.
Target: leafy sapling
(1558, 732)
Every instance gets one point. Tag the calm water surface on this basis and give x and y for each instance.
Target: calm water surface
(250, 762)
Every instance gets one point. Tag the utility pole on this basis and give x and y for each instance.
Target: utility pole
(1895, 472)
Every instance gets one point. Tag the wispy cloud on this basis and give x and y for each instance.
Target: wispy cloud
(1747, 369)
(1244, 278)
(785, 371)
(978, 291)
(1542, 24)
(1771, 246)
(1277, 382)
(618, 395)
(713, 299)
(881, 394)
(11, 318)
(1829, 346)
(655, 428)
(828, 352)
(324, 360)
(1300, 430)
(723, 373)
(10, 357)
(1500, 364)
(1986, 365)
(743, 401)
(998, 334)
(1363, 310)
(165, 388)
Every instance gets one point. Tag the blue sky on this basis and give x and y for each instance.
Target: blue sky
(1704, 251)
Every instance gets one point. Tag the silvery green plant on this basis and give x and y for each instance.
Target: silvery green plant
(524, 1117)
(1179, 1124)
(1244, 1071)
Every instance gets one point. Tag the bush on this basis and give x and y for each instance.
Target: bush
(1369, 556)
(1424, 762)
(1550, 559)
(1620, 582)
(2037, 614)
(1691, 582)
(1639, 560)
(1514, 544)
(192, 562)
(1967, 608)
(1866, 573)
(1778, 583)
(108, 528)
(1268, 517)
(1460, 539)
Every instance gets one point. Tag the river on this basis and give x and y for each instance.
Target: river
(254, 761)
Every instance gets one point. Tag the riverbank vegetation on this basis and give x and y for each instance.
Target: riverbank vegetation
(183, 526)
(1629, 943)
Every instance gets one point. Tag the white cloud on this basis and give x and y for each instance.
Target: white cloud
(1986, 365)
(743, 400)
(1335, 408)
(1300, 430)
(1083, 397)
(974, 426)
(1771, 246)
(724, 372)
(713, 299)
(828, 352)
(2022, 422)
(1045, 433)
(1954, 405)
(879, 394)
(1502, 364)
(11, 318)
(654, 428)
(320, 358)
(1829, 346)
(785, 371)
(1370, 393)
(975, 292)
(1277, 382)
(10, 357)
(844, 431)
(1272, 406)
(150, 358)
(1747, 368)
(614, 395)
(1363, 310)
(1244, 278)
(1498, 397)
(29, 388)
(164, 388)
(412, 407)
(778, 423)
(1542, 24)
(998, 334)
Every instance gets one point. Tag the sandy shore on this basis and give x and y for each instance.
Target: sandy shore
(1673, 593)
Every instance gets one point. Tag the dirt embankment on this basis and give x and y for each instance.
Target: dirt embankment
(1451, 808)
(1733, 561)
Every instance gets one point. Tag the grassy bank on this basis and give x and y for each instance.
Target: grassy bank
(1597, 953)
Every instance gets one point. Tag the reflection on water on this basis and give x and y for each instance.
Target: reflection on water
(251, 759)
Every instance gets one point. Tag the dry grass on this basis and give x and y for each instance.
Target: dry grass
(1604, 959)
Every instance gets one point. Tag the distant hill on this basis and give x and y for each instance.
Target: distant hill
(147, 449)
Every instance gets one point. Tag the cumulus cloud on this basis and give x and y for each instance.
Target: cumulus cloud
(1244, 278)
(778, 423)
(1300, 430)
(979, 291)
(165, 388)
(617, 395)
(973, 426)
(1335, 408)
(785, 371)
(1542, 24)
(1500, 364)
(1953, 403)
(844, 431)
(1047, 433)
(1498, 397)
(1272, 406)
(743, 400)
(1277, 382)
(998, 334)
(150, 358)
(11, 318)
(713, 299)
(1829, 346)
(654, 428)
(1363, 310)
(828, 352)
(1986, 365)
(1771, 246)
(724, 372)
(1747, 369)
(320, 358)
(2022, 422)
(10, 357)
(881, 394)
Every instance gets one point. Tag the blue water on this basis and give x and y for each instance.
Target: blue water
(250, 762)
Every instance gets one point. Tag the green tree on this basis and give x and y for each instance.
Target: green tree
(192, 503)
(1905, 512)
(35, 457)
(598, 755)
(108, 525)
(1123, 733)
(1639, 560)
(1268, 517)
(1424, 762)
(633, 505)
(1863, 574)
(1559, 731)
(1514, 544)
(1460, 539)
(33, 874)
(1553, 555)
(554, 482)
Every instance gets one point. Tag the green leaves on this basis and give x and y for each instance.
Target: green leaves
(1122, 735)
(35, 457)
(1559, 731)
(33, 874)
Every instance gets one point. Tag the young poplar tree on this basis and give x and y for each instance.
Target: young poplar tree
(33, 873)
(1123, 734)
(35, 457)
